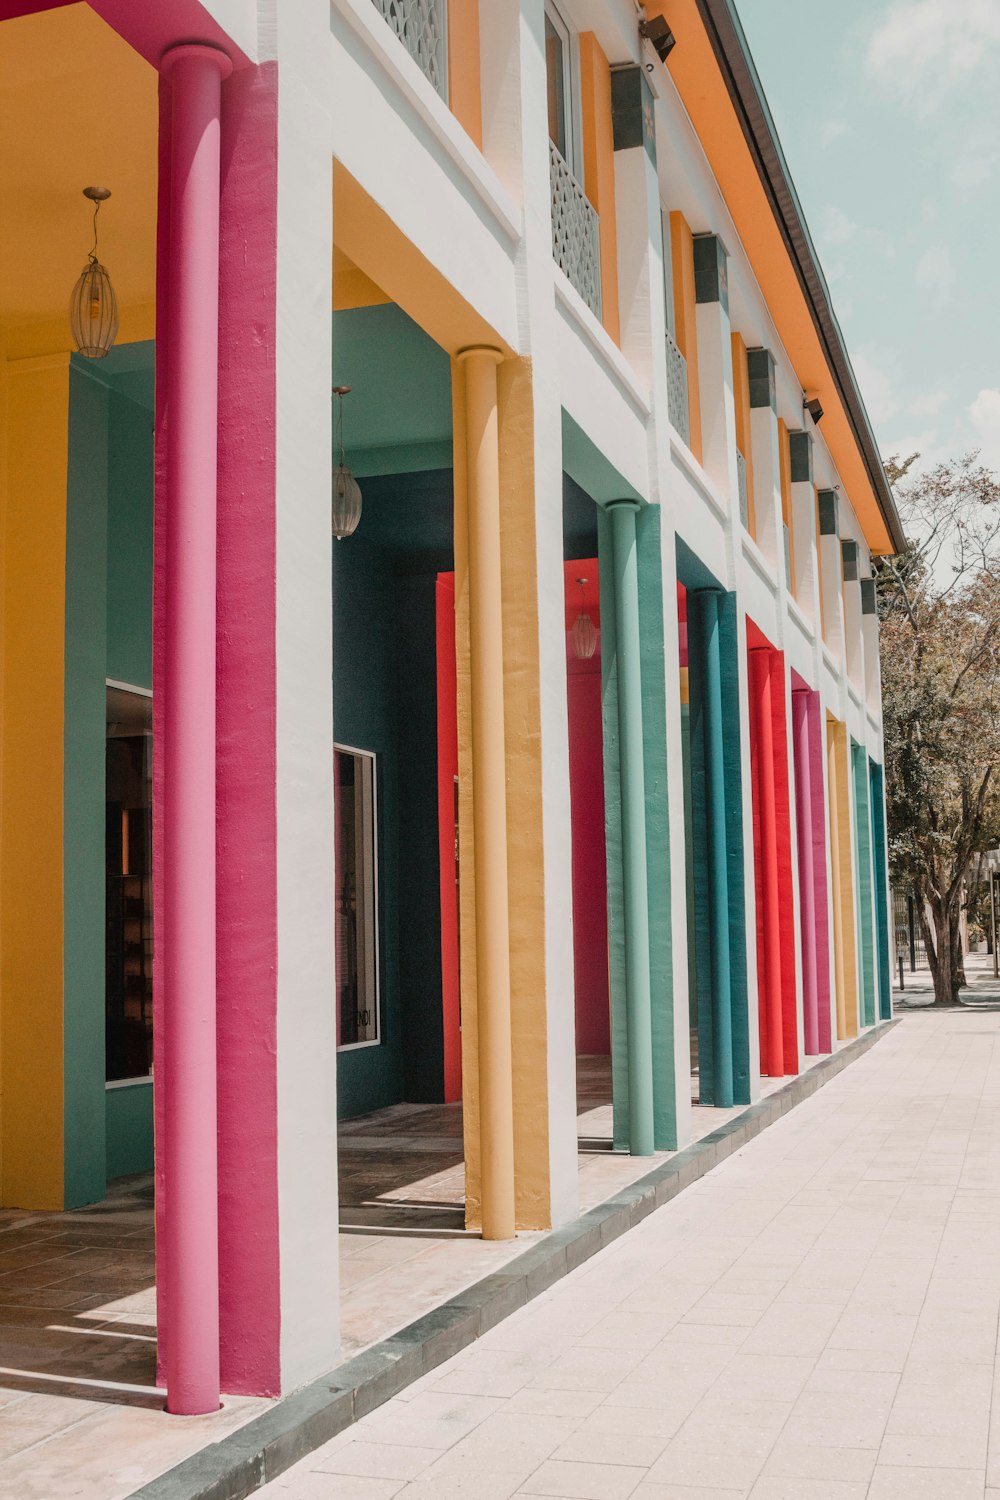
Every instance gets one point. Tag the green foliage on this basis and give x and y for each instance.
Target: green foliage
(939, 612)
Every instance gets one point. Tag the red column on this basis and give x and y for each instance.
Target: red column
(187, 1064)
(772, 1044)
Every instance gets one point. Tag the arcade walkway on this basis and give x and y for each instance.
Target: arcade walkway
(814, 1320)
(80, 1413)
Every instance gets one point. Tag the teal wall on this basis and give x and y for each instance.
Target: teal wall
(130, 543)
(109, 547)
(83, 790)
(129, 1110)
(385, 702)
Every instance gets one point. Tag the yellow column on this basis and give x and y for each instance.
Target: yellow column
(33, 498)
(489, 791)
(843, 894)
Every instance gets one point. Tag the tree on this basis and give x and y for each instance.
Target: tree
(939, 612)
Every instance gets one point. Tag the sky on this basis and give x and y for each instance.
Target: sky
(888, 113)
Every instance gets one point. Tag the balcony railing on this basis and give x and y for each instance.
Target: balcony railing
(421, 26)
(677, 389)
(576, 244)
(741, 475)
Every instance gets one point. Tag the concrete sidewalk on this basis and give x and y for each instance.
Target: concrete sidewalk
(814, 1320)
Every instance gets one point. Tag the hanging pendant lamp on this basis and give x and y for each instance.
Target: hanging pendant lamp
(346, 491)
(584, 631)
(93, 306)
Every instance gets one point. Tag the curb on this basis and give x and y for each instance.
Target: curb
(241, 1462)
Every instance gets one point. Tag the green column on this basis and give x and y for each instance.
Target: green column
(718, 858)
(862, 838)
(633, 825)
(877, 795)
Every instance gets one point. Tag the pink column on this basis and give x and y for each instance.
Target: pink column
(804, 794)
(772, 1053)
(186, 1069)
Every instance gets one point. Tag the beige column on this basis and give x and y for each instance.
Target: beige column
(489, 792)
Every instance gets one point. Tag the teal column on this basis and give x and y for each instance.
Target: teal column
(718, 859)
(866, 938)
(877, 791)
(635, 882)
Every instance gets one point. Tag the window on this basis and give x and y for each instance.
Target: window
(355, 815)
(128, 949)
(558, 72)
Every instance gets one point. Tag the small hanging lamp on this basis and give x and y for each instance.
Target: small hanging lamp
(93, 306)
(584, 631)
(346, 492)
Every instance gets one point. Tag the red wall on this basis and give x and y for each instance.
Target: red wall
(586, 790)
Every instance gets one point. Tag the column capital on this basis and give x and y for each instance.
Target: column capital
(488, 350)
(202, 50)
(829, 521)
(632, 110)
(800, 456)
(760, 378)
(711, 278)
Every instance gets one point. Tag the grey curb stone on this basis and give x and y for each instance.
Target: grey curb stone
(241, 1462)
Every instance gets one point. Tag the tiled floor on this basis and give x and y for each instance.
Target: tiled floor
(815, 1320)
(80, 1414)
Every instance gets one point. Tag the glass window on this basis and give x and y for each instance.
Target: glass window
(356, 917)
(557, 76)
(128, 949)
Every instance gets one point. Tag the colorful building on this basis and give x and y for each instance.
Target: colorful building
(571, 745)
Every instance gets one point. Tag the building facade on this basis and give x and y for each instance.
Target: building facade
(572, 746)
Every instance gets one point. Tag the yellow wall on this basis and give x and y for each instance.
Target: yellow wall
(839, 782)
(599, 169)
(741, 398)
(682, 256)
(31, 791)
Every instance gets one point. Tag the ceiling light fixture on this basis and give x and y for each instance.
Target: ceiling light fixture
(659, 36)
(93, 306)
(346, 491)
(584, 632)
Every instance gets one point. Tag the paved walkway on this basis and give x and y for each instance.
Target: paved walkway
(815, 1320)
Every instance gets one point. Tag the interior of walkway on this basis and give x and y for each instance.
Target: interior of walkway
(78, 1303)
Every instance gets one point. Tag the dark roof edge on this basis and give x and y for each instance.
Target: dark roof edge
(743, 83)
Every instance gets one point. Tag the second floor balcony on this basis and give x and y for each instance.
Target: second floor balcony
(422, 27)
(576, 243)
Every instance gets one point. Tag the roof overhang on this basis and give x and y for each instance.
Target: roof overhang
(715, 76)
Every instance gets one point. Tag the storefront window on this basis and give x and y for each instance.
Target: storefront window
(129, 897)
(356, 918)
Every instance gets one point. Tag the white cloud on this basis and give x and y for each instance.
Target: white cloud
(934, 275)
(922, 49)
(984, 414)
(835, 227)
(876, 383)
(833, 130)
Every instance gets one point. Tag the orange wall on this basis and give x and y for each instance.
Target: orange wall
(464, 89)
(599, 169)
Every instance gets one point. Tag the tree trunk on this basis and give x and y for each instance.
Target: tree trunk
(957, 952)
(940, 952)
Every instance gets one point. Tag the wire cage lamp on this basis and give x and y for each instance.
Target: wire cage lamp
(584, 630)
(93, 306)
(346, 508)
